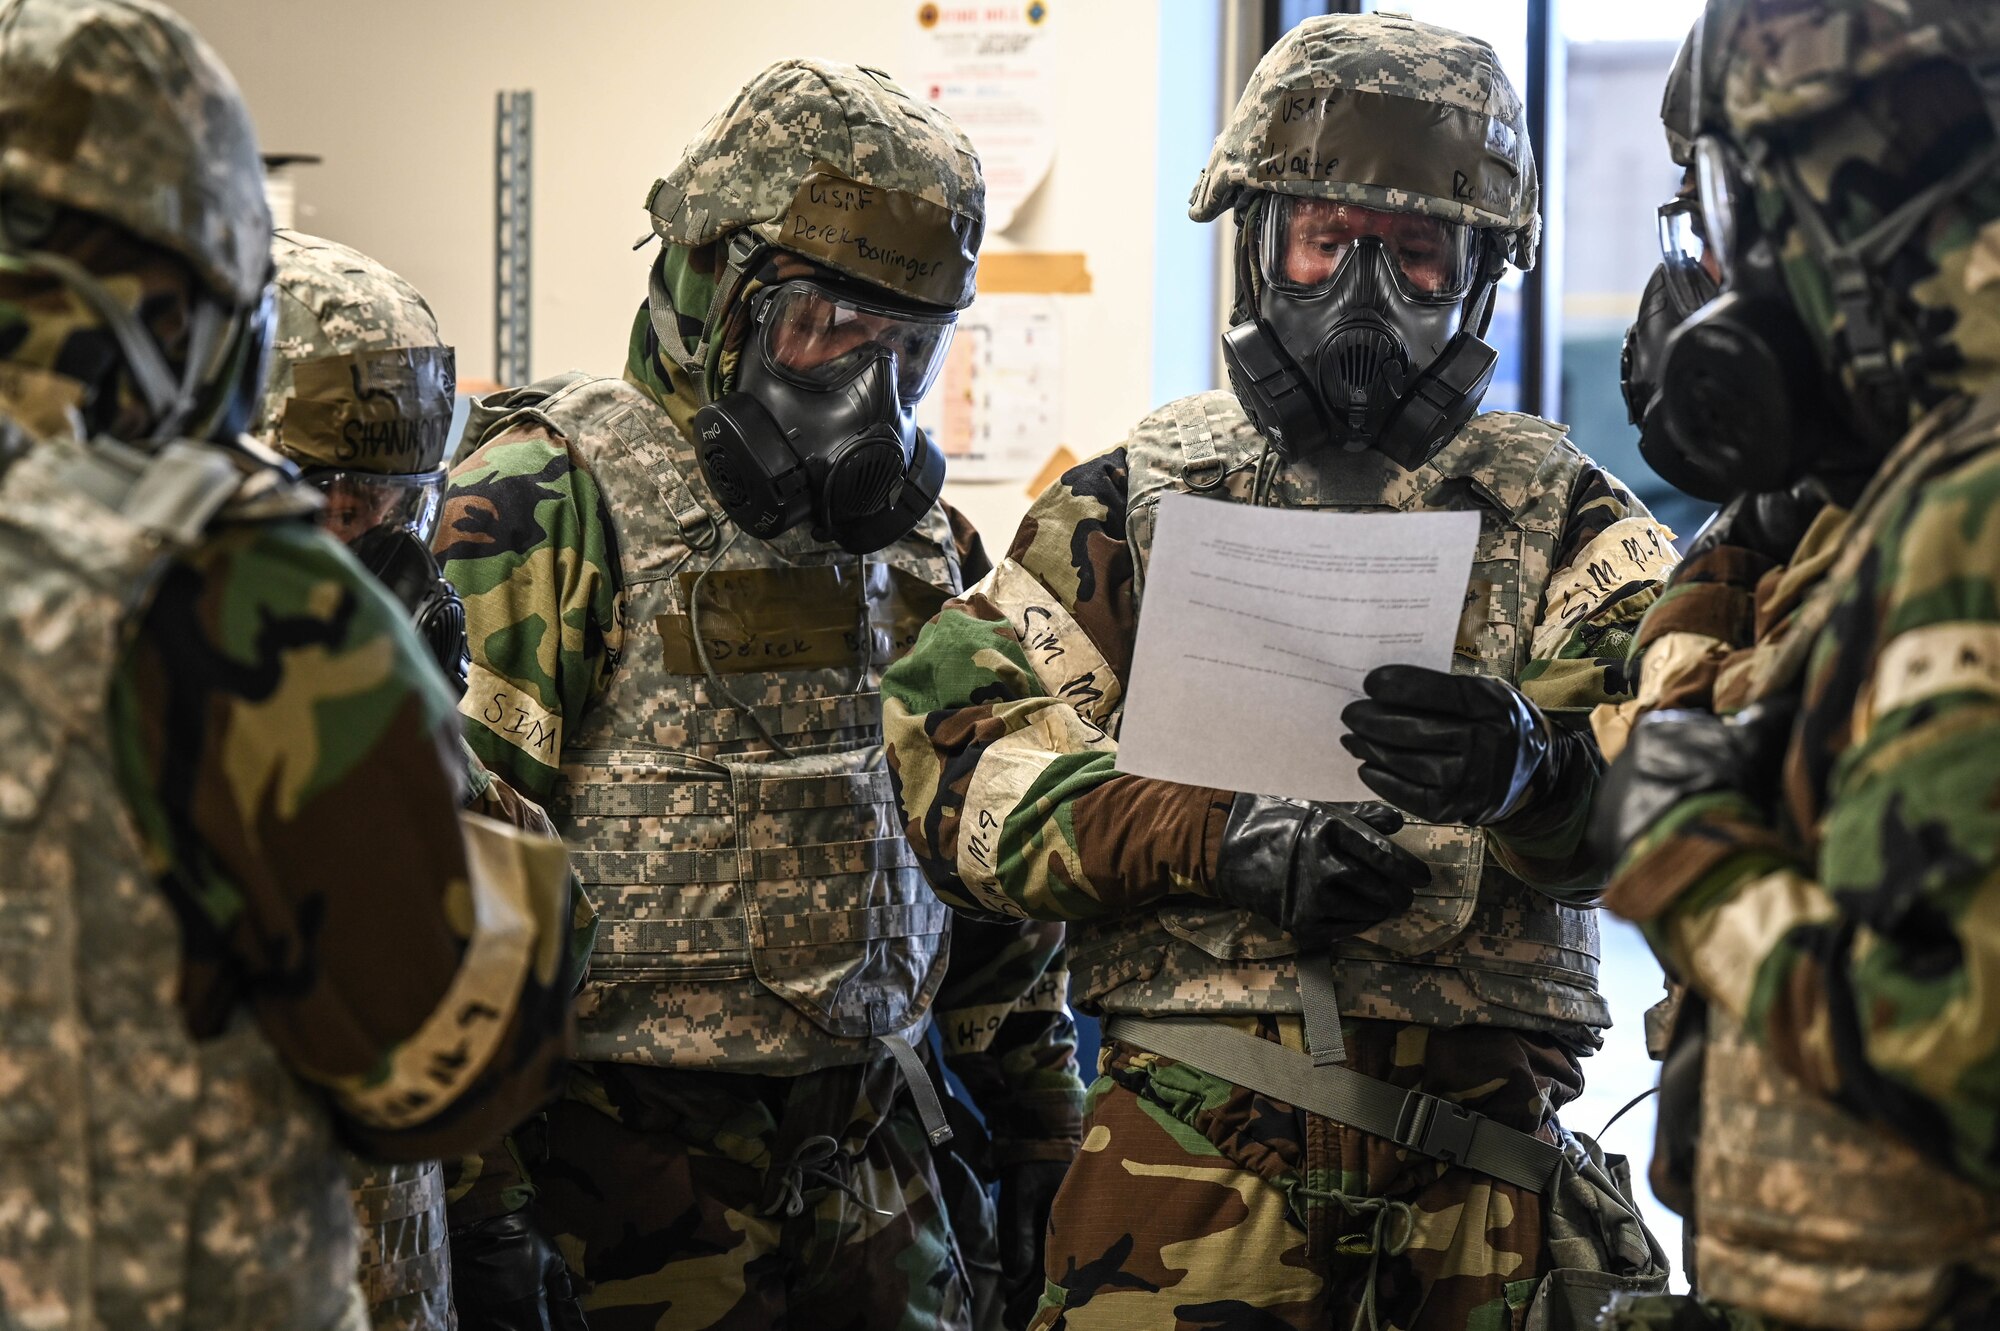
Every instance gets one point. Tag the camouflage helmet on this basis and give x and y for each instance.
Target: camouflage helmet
(116, 108)
(1677, 104)
(1762, 66)
(1385, 112)
(836, 163)
(360, 378)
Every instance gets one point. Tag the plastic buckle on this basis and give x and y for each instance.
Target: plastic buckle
(1436, 1127)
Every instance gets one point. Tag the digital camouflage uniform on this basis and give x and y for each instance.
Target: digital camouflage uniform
(1196, 1202)
(736, 1147)
(1847, 1170)
(204, 697)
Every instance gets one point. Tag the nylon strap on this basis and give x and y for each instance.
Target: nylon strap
(417, 1274)
(1424, 1123)
(642, 441)
(185, 485)
(929, 1108)
(1201, 466)
(380, 1203)
(1321, 1002)
(666, 329)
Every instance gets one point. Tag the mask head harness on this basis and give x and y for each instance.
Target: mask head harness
(215, 393)
(819, 426)
(1367, 328)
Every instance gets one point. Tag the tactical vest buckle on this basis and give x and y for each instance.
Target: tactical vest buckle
(1435, 1127)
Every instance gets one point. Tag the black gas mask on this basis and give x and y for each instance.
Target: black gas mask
(404, 564)
(821, 425)
(1360, 337)
(387, 521)
(1746, 401)
(1679, 286)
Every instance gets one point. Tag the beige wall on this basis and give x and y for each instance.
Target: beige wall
(397, 96)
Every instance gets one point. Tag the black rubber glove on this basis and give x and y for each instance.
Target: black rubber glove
(1322, 871)
(1772, 523)
(506, 1276)
(1675, 756)
(1449, 748)
(1027, 1191)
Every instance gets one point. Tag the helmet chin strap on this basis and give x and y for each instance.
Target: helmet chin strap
(742, 251)
(1486, 297)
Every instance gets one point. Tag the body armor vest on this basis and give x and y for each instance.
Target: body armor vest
(1478, 946)
(146, 1180)
(405, 1266)
(726, 796)
(1808, 1215)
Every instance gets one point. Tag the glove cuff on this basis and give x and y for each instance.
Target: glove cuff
(1560, 788)
(1253, 865)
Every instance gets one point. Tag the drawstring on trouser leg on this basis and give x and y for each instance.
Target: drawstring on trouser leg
(1383, 1241)
(817, 1163)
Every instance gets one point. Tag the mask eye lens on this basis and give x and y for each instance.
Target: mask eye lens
(1691, 270)
(820, 338)
(358, 502)
(1720, 175)
(1306, 242)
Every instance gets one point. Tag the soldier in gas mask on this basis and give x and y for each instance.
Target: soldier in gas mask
(1768, 523)
(1808, 837)
(360, 397)
(1337, 1035)
(681, 588)
(205, 972)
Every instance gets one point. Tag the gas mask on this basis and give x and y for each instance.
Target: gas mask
(1747, 403)
(387, 522)
(821, 424)
(1359, 339)
(1679, 286)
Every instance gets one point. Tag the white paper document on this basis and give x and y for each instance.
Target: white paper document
(1258, 625)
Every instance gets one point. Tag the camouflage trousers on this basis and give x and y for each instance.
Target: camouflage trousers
(1196, 1203)
(705, 1201)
